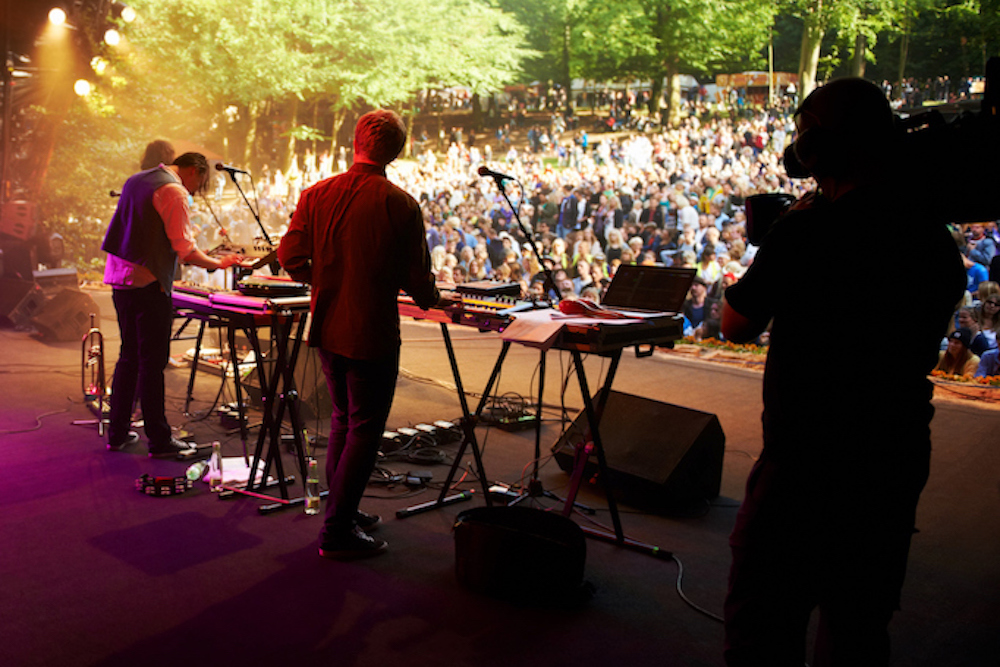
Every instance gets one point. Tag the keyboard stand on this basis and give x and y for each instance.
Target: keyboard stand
(468, 434)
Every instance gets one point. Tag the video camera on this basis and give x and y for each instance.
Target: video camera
(948, 160)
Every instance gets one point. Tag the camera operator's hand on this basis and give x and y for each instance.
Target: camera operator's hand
(807, 201)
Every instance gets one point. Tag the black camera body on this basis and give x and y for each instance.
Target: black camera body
(946, 159)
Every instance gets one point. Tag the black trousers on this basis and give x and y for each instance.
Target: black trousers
(145, 316)
(834, 538)
(361, 391)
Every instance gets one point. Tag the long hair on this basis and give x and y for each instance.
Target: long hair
(196, 160)
(954, 364)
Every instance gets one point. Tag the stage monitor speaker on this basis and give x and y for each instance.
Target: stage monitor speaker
(17, 219)
(66, 316)
(17, 259)
(52, 281)
(314, 396)
(659, 456)
(20, 301)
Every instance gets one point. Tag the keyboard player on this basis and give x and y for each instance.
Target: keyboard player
(358, 239)
(149, 233)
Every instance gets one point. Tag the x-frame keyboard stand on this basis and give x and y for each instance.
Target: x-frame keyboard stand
(468, 434)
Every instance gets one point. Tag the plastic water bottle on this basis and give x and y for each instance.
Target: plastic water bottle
(196, 471)
(215, 467)
(312, 486)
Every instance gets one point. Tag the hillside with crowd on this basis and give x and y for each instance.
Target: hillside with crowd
(593, 201)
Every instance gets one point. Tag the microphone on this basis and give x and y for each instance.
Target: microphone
(115, 193)
(496, 175)
(231, 170)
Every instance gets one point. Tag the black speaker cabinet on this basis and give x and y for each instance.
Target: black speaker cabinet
(17, 259)
(659, 455)
(20, 300)
(521, 554)
(66, 316)
(314, 395)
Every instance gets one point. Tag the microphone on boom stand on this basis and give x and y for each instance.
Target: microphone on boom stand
(232, 171)
(500, 180)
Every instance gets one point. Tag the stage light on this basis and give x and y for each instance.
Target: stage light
(112, 37)
(57, 16)
(99, 65)
(82, 87)
(123, 11)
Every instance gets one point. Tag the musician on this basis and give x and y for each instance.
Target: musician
(149, 232)
(358, 239)
(830, 506)
(158, 151)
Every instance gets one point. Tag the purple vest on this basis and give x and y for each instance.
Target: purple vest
(137, 232)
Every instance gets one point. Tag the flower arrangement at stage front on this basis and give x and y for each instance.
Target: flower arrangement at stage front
(989, 380)
(715, 343)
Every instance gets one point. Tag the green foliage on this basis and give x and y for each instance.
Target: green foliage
(206, 71)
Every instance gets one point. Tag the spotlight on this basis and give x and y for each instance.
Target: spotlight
(82, 87)
(57, 16)
(123, 11)
(112, 38)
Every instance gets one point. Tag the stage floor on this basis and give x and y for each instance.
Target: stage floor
(95, 573)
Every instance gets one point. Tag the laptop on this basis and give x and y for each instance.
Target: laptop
(638, 288)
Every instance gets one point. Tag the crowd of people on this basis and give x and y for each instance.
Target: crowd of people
(591, 203)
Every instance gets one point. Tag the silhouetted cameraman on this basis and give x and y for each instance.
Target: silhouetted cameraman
(830, 505)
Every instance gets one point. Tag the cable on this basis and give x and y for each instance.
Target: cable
(683, 596)
(38, 422)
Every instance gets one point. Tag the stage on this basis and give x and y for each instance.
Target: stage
(95, 573)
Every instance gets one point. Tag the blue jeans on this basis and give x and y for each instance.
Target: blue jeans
(145, 316)
(361, 391)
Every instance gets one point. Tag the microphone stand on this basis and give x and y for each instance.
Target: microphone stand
(535, 487)
(550, 287)
(256, 216)
(275, 267)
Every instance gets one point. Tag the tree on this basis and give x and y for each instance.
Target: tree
(659, 40)
(553, 34)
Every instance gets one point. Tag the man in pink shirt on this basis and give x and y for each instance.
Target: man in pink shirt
(149, 233)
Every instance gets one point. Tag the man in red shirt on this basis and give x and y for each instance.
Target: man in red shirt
(358, 239)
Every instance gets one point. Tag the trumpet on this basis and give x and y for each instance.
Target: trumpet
(93, 380)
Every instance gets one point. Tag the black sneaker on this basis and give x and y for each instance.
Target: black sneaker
(366, 521)
(173, 448)
(353, 545)
(129, 440)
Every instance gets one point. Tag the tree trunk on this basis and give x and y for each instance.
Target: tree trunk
(904, 52)
(989, 17)
(315, 124)
(477, 113)
(252, 115)
(858, 61)
(812, 40)
(655, 93)
(290, 146)
(409, 116)
(673, 95)
(567, 80)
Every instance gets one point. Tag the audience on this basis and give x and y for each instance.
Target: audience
(673, 197)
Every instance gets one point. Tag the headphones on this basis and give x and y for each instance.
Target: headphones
(818, 151)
